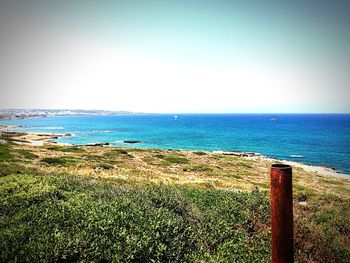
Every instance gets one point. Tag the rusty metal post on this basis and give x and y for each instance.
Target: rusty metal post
(281, 198)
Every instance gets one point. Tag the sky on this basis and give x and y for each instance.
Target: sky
(237, 56)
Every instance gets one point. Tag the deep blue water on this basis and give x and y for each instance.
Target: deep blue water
(319, 139)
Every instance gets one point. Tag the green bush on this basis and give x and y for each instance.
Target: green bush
(200, 153)
(5, 152)
(116, 153)
(61, 148)
(63, 161)
(15, 168)
(61, 218)
(172, 158)
(26, 154)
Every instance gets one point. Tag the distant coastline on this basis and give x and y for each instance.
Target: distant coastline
(13, 114)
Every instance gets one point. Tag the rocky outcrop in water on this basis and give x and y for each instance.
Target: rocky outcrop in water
(96, 144)
(132, 141)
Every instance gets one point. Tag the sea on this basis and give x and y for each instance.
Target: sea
(316, 139)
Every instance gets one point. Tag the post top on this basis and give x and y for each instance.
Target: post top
(280, 166)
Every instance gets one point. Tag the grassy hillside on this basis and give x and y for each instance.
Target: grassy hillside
(100, 204)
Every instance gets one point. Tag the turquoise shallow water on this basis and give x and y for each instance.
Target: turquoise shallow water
(318, 139)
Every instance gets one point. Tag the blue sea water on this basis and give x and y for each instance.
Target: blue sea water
(318, 139)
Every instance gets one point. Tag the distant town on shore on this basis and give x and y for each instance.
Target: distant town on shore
(9, 114)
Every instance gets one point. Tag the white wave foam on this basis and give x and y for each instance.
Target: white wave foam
(45, 128)
(102, 131)
(296, 156)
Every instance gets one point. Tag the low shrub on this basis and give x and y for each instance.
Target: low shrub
(173, 158)
(200, 153)
(116, 153)
(63, 161)
(5, 152)
(26, 154)
(60, 218)
(61, 148)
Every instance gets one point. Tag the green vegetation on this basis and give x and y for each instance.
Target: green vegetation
(127, 214)
(217, 156)
(303, 194)
(199, 153)
(92, 157)
(65, 218)
(64, 161)
(8, 153)
(322, 229)
(116, 153)
(5, 152)
(172, 158)
(245, 164)
(65, 148)
(26, 154)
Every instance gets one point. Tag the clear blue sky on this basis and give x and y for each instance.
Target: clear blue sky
(176, 56)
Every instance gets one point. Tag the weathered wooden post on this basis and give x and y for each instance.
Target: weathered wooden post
(281, 198)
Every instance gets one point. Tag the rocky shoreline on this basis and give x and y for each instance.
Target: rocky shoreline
(238, 154)
(33, 138)
(7, 133)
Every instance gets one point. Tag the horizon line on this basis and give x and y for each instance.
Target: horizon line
(141, 112)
